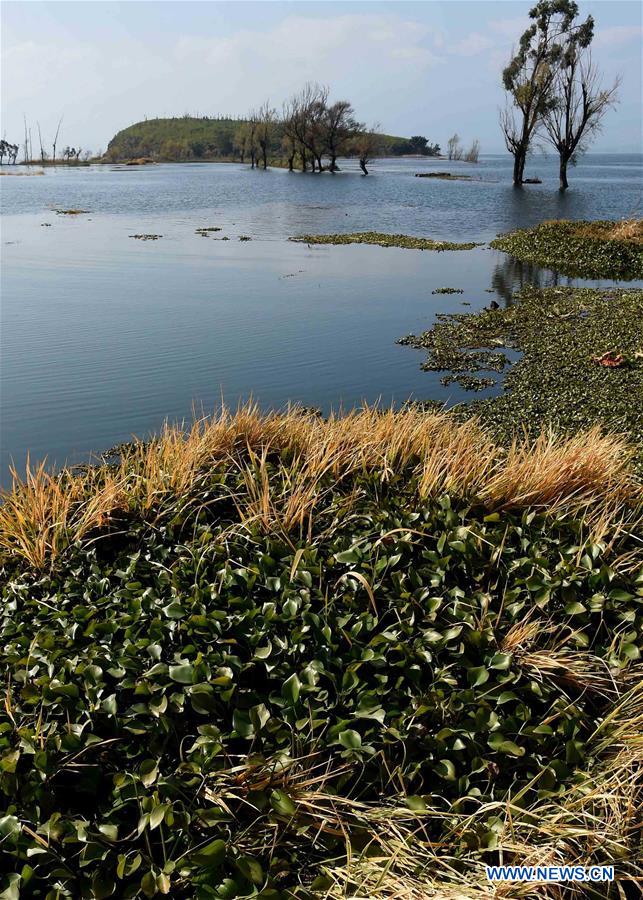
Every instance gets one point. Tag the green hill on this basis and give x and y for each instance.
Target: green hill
(187, 138)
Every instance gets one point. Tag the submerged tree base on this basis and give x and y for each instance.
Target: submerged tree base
(562, 334)
(405, 241)
(601, 249)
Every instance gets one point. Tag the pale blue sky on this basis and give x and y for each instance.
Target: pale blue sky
(416, 67)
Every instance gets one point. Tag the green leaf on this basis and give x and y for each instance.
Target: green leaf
(9, 825)
(350, 739)
(184, 674)
(174, 610)
(290, 689)
(347, 556)
(477, 676)
(631, 651)
(446, 769)
(500, 661)
(574, 608)
(281, 803)
(212, 855)
(148, 771)
(158, 814)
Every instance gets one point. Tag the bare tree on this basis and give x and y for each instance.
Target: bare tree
(454, 150)
(530, 74)
(56, 138)
(42, 151)
(473, 153)
(579, 108)
(289, 132)
(251, 143)
(339, 126)
(366, 145)
(266, 121)
(310, 105)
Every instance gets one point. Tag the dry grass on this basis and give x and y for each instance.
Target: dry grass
(417, 854)
(43, 512)
(630, 231)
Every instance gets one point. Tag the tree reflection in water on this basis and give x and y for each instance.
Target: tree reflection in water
(511, 274)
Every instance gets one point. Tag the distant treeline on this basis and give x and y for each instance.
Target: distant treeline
(309, 133)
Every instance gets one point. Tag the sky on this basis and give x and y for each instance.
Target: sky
(430, 68)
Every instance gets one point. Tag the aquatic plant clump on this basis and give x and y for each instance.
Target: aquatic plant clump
(445, 176)
(282, 656)
(383, 240)
(448, 290)
(563, 377)
(602, 249)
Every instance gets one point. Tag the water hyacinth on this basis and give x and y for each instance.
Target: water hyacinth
(261, 656)
(384, 240)
(604, 249)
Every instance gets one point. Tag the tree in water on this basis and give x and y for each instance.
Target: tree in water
(454, 150)
(266, 121)
(529, 78)
(339, 125)
(310, 108)
(579, 103)
(366, 146)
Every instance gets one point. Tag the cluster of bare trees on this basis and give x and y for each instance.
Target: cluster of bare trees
(455, 150)
(553, 87)
(308, 130)
(8, 150)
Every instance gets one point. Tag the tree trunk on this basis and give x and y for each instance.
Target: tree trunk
(333, 163)
(520, 157)
(564, 184)
(291, 163)
(362, 165)
(265, 159)
(320, 167)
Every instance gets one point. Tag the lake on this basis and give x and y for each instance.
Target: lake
(104, 336)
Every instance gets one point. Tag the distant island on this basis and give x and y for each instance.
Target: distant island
(192, 139)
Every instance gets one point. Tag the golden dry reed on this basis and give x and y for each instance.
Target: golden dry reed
(45, 512)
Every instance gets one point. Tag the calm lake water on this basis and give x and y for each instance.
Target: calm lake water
(104, 336)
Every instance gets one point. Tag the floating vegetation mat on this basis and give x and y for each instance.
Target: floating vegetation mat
(448, 290)
(445, 176)
(206, 231)
(146, 237)
(383, 240)
(604, 249)
(287, 657)
(563, 333)
(71, 212)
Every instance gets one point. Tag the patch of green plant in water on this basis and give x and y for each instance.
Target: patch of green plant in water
(468, 382)
(560, 332)
(146, 237)
(71, 212)
(445, 176)
(206, 231)
(604, 249)
(383, 240)
(244, 237)
(196, 708)
(448, 290)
